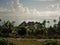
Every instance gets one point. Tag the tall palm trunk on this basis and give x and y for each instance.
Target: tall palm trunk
(48, 23)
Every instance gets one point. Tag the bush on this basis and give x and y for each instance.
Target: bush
(50, 42)
(3, 42)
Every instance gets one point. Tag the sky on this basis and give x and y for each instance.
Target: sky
(29, 10)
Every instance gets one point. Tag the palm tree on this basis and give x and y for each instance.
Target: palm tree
(54, 21)
(44, 23)
(0, 24)
(0, 19)
(48, 23)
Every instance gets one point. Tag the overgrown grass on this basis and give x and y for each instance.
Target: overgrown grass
(14, 41)
(5, 42)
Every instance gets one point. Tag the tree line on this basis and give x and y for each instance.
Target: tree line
(30, 30)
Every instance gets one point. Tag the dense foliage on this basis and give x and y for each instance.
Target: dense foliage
(4, 42)
(30, 29)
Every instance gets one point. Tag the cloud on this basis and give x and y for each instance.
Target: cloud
(18, 9)
(21, 13)
(54, 7)
(4, 9)
(51, 10)
(43, 0)
(50, 13)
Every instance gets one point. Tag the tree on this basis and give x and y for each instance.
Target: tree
(0, 19)
(58, 27)
(54, 20)
(7, 28)
(44, 23)
(22, 31)
(58, 30)
(0, 25)
(51, 31)
(48, 23)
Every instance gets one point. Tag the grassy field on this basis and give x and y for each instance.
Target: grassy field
(30, 42)
(21, 42)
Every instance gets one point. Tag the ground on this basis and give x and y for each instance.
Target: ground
(18, 41)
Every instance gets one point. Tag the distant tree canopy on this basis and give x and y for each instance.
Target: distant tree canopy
(30, 29)
(22, 31)
(7, 27)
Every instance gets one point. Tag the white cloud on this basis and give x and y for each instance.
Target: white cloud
(18, 9)
(3, 10)
(43, 0)
(50, 13)
(55, 7)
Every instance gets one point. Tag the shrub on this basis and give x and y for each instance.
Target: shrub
(3, 42)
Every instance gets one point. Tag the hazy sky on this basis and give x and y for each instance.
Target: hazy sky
(29, 10)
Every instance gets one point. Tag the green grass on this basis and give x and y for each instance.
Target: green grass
(21, 42)
(30, 42)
